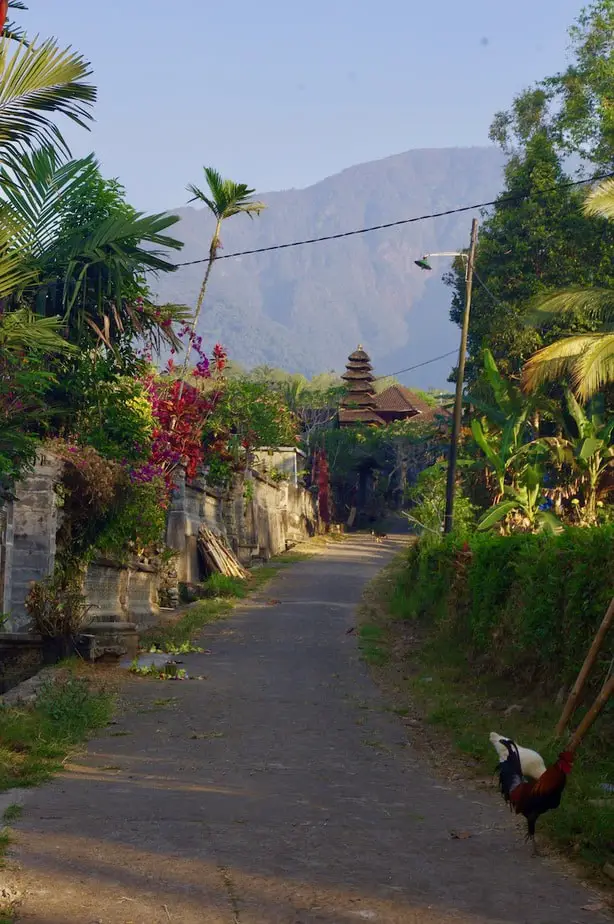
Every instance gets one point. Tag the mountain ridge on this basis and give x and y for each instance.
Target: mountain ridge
(305, 308)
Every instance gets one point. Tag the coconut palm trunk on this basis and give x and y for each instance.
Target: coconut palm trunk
(213, 249)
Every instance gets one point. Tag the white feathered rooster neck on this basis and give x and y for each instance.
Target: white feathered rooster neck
(531, 762)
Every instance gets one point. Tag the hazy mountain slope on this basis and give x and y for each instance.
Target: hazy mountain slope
(306, 308)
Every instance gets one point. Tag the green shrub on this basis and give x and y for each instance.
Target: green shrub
(137, 522)
(428, 497)
(524, 606)
(35, 739)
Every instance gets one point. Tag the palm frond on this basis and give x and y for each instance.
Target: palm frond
(596, 304)
(35, 82)
(554, 362)
(594, 367)
(198, 194)
(15, 272)
(23, 330)
(10, 29)
(35, 189)
(586, 360)
(226, 198)
(101, 262)
(600, 200)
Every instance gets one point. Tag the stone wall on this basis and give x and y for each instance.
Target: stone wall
(258, 517)
(21, 656)
(34, 526)
(119, 594)
(6, 555)
(285, 461)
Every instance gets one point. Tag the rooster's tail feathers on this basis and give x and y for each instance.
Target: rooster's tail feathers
(510, 770)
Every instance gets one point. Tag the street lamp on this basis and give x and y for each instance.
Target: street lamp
(458, 402)
(425, 265)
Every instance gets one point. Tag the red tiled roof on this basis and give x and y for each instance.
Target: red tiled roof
(397, 398)
(400, 400)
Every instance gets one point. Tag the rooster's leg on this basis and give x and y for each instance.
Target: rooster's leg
(531, 835)
(535, 851)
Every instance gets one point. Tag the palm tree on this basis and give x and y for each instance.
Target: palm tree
(224, 199)
(587, 360)
(83, 264)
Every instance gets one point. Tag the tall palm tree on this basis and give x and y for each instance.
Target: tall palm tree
(224, 199)
(587, 360)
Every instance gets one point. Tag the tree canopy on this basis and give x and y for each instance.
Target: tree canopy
(536, 238)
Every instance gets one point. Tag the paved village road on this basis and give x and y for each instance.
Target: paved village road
(278, 790)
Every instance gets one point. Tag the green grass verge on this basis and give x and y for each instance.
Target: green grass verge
(35, 740)
(433, 678)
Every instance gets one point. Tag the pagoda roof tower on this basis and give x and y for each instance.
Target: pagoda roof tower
(358, 406)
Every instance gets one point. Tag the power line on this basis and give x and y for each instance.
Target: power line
(494, 298)
(396, 224)
(426, 362)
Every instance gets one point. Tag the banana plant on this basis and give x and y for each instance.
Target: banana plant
(524, 500)
(501, 430)
(586, 447)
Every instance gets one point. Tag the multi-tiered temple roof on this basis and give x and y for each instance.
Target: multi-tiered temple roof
(358, 404)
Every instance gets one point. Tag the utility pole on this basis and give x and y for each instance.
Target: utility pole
(460, 381)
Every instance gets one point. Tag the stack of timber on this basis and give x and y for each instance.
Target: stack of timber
(217, 556)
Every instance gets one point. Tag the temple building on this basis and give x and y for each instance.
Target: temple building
(358, 404)
(361, 405)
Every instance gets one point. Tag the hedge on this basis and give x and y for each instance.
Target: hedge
(525, 606)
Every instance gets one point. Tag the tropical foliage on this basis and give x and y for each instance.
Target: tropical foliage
(248, 416)
(81, 334)
(536, 238)
(586, 360)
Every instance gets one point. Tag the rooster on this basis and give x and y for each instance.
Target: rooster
(531, 762)
(533, 799)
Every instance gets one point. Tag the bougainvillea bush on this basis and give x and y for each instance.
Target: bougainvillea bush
(181, 409)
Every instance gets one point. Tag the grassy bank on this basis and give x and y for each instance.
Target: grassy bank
(451, 702)
(35, 740)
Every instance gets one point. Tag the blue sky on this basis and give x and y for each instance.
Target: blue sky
(281, 94)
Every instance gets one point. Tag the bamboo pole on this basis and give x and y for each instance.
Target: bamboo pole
(220, 557)
(591, 657)
(591, 715)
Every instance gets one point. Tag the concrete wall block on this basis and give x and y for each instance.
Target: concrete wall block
(104, 588)
(142, 597)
